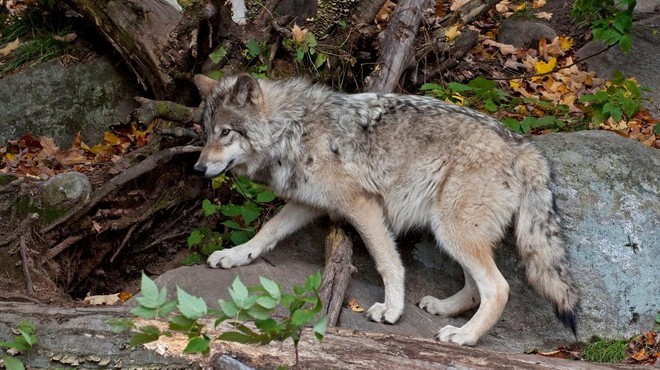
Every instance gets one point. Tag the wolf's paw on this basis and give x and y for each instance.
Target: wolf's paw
(456, 335)
(382, 313)
(431, 305)
(228, 258)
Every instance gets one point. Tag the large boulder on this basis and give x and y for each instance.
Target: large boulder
(56, 101)
(607, 189)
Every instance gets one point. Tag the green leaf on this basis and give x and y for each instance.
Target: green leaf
(300, 54)
(321, 58)
(217, 54)
(458, 87)
(180, 323)
(431, 86)
(314, 281)
(482, 83)
(199, 344)
(250, 212)
(12, 363)
(320, 326)
(238, 292)
(254, 49)
(28, 337)
(656, 131)
(301, 317)
(141, 338)
(190, 306)
(266, 196)
(258, 312)
(121, 325)
(15, 345)
(230, 210)
(238, 237)
(143, 312)
(209, 208)
(491, 106)
(271, 287)
(151, 297)
(196, 236)
(232, 225)
(216, 75)
(512, 124)
(233, 336)
(266, 302)
(268, 325)
(625, 43)
(193, 259)
(228, 307)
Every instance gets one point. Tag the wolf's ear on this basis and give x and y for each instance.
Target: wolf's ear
(246, 91)
(205, 85)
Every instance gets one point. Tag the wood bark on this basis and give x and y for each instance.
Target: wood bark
(60, 344)
(337, 272)
(396, 46)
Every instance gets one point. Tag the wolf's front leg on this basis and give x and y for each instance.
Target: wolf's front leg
(367, 217)
(288, 220)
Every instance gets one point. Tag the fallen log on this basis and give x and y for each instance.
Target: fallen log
(80, 337)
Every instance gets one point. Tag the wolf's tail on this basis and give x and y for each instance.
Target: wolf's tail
(540, 238)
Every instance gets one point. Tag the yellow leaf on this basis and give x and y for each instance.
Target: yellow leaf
(111, 138)
(298, 34)
(544, 15)
(10, 47)
(565, 43)
(514, 84)
(538, 4)
(354, 305)
(451, 33)
(520, 7)
(543, 67)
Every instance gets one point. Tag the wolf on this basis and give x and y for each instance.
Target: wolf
(389, 163)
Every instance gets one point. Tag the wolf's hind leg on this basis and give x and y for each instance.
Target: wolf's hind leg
(288, 220)
(367, 217)
(474, 251)
(465, 299)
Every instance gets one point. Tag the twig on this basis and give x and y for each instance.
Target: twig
(123, 242)
(178, 132)
(159, 241)
(61, 247)
(26, 269)
(130, 174)
(283, 31)
(25, 227)
(152, 109)
(337, 272)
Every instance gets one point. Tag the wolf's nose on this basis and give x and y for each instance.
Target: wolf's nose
(200, 167)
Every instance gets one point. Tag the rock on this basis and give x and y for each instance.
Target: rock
(56, 101)
(608, 190)
(524, 33)
(646, 8)
(66, 188)
(640, 62)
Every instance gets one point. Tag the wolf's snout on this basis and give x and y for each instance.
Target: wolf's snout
(200, 167)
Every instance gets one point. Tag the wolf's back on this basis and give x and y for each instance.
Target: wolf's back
(540, 238)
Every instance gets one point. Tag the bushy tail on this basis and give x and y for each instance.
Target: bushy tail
(540, 238)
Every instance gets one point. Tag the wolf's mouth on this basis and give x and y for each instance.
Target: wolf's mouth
(228, 167)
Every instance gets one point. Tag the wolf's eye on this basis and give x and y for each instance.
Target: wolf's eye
(224, 132)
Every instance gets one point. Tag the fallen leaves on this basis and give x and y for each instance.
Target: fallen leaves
(40, 157)
(10, 47)
(354, 305)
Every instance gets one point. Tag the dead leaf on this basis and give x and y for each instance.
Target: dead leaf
(10, 47)
(543, 15)
(354, 305)
(505, 49)
(69, 37)
(102, 300)
(298, 34)
(451, 33)
(124, 296)
(384, 13)
(565, 42)
(456, 4)
(97, 227)
(538, 4)
(543, 67)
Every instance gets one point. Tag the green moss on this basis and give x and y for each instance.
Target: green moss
(606, 351)
(47, 213)
(6, 179)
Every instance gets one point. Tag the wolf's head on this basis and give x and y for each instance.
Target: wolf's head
(234, 111)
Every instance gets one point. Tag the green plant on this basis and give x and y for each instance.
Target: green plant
(250, 312)
(40, 28)
(621, 98)
(240, 219)
(484, 94)
(24, 341)
(606, 351)
(611, 21)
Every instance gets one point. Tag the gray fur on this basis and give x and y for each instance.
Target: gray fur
(389, 163)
